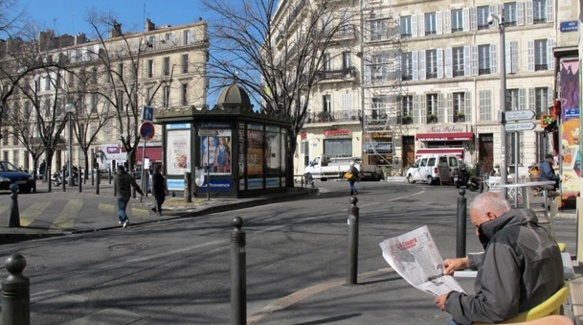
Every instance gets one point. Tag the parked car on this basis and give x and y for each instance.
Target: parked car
(426, 168)
(9, 175)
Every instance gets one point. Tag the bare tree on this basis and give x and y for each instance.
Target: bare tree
(278, 65)
(13, 18)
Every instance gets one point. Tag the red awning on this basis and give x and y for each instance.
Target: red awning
(452, 151)
(154, 153)
(454, 136)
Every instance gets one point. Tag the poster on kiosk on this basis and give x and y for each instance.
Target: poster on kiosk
(569, 141)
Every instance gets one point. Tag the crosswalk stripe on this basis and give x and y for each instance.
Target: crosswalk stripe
(111, 208)
(106, 317)
(66, 219)
(32, 212)
(106, 207)
(4, 208)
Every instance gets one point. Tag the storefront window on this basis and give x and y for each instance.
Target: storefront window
(254, 156)
(273, 151)
(338, 147)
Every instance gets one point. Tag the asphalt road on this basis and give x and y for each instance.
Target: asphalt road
(178, 271)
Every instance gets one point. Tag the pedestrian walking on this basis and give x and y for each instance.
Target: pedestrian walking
(352, 176)
(123, 183)
(159, 189)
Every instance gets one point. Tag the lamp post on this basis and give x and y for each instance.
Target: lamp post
(70, 109)
(502, 117)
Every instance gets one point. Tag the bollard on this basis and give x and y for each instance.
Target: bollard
(97, 183)
(93, 177)
(460, 250)
(352, 257)
(187, 188)
(80, 180)
(14, 220)
(15, 293)
(109, 175)
(64, 181)
(238, 275)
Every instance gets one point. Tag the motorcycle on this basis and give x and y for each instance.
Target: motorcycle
(57, 179)
(463, 177)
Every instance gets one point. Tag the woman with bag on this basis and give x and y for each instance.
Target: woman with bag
(352, 177)
(159, 189)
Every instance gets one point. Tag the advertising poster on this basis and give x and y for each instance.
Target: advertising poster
(178, 152)
(570, 161)
(215, 152)
(254, 152)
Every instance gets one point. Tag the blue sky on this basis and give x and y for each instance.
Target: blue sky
(69, 16)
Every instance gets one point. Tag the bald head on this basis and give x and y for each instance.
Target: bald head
(488, 206)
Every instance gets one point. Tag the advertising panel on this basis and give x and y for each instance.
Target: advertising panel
(215, 152)
(178, 152)
(570, 161)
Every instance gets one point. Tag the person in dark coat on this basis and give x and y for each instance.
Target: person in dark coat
(123, 184)
(353, 179)
(547, 173)
(159, 189)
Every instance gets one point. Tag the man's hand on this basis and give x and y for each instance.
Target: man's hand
(440, 301)
(454, 264)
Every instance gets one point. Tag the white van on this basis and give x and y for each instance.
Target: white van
(426, 168)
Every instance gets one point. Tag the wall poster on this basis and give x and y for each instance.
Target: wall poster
(570, 158)
(178, 152)
(215, 152)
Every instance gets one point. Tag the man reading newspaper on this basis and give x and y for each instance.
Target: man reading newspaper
(520, 268)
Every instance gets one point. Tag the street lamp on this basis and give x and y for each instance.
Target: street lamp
(70, 109)
(503, 172)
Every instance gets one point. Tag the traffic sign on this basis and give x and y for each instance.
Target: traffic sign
(207, 133)
(148, 114)
(147, 130)
(525, 126)
(526, 114)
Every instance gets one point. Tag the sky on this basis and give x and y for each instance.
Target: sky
(69, 16)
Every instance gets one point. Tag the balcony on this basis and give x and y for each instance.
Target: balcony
(328, 117)
(342, 74)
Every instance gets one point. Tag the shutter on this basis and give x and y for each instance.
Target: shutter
(421, 25)
(474, 18)
(520, 13)
(440, 109)
(439, 63)
(439, 22)
(422, 110)
(529, 12)
(550, 56)
(508, 57)
(531, 98)
(367, 70)
(514, 56)
(466, 18)
(475, 65)
(493, 59)
(416, 110)
(414, 55)
(522, 99)
(414, 25)
(449, 62)
(468, 106)
(493, 10)
(449, 106)
(447, 22)
(398, 70)
(422, 74)
(531, 55)
(549, 98)
(550, 11)
(467, 61)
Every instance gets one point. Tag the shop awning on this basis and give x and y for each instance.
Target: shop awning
(454, 136)
(154, 153)
(452, 151)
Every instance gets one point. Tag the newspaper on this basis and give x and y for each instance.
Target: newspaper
(416, 258)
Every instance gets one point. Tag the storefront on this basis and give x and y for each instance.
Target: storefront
(444, 139)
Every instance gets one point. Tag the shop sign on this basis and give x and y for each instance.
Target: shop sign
(330, 133)
(446, 129)
(303, 135)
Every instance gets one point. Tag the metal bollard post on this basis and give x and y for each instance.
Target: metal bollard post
(15, 293)
(80, 180)
(14, 220)
(238, 275)
(460, 250)
(93, 177)
(97, 183)
(64, 182)
(187, 188)
(352, 257)
(109, 175)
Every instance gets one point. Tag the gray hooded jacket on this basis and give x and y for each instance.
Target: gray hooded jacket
(520, 268)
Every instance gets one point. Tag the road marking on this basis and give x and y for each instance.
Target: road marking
(32, 212)
(106, 207)
(137, 212)
(406, 196)
(66, 219)
(4, 208)
(181, 250)
(106, 316)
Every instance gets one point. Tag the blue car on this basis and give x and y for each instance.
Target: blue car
(9, 175)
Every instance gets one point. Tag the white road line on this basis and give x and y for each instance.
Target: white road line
(176, 251)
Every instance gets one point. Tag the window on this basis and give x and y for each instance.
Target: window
(541, 101)
(346, 60)
(540, 55)
(184, 63)
(5, 142)
(166, 67)
(406, 26)
(338, 147)
(459, 105)
(457, 21)
(186, 37)
(539, 11)
(149, 94)
(47, 83)
(150, 68)
(407, 108)
(184, 94)
(407, 66)
(327, 103)
(120, 100)
(165, 96)
(484, 59)
(485, 107)
(510, 14)
(94, 75)
(378, 108)
(71, 78)
(378, 68)
(93, 103)
(327, 62)
(430, 24)
(120, 71)
(483, 14)
(377, 29)
(431, 108)
(458, 61)
(512, 100)
(431, 64)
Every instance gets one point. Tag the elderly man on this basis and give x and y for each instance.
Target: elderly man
(547, 173)
(520, 268)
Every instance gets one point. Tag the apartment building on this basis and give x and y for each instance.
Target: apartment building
(163, 67)
(428, 79)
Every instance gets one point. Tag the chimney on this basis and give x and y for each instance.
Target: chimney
(116, 30)
(150, 25)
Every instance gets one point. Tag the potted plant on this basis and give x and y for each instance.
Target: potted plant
(431, 118)
(407, 119)
(460, 116)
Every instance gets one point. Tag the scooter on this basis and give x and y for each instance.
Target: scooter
(57, 179)
(462, 177)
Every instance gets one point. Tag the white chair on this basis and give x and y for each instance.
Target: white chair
(493, 183)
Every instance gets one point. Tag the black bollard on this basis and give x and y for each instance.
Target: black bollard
(64, 182)
(187, 188)
(80, 180)
(93, 178)
(14, 220)
(238, 275)
(109, 175)
(460, 250)
(352, 257)
(15, 293)
(97, 183)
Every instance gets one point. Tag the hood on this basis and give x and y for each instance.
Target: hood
(488, 229)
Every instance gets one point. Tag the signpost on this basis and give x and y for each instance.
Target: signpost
(148, 114)
(521, 115)
(147, 133)
(527, 114)
(524, 126)
(208, 134)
